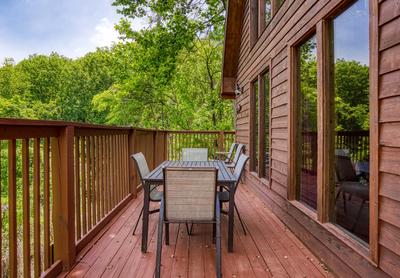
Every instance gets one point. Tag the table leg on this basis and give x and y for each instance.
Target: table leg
(231, 219)
(145, 226)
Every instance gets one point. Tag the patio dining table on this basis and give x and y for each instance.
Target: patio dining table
(225, 178)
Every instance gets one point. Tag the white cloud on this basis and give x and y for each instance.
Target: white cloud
(104, 33)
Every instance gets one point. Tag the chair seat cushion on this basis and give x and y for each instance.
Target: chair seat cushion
(223, 196)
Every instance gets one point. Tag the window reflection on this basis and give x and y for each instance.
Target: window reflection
(307, 129)
(267, 11)
(255, 127)
(265, 78)
(351, 66)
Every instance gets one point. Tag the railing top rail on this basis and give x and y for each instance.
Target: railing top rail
(201, 131)
(54, 123)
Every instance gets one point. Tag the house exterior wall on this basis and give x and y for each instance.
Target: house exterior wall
(292, 22)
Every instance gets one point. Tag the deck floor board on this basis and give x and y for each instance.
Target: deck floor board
(268, 250)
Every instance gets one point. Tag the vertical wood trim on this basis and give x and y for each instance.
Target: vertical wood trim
(93, 179)
(374, 131)
(101, 178)
(12, 208)
(84, 192)
(253, 22)
(261, 16)
(98, 173)
(109, 185)
(46, 232)
(292, 122)
(132, 176)
(1, 211)
(274, 7)
(270, 121)
(261, 124)
(77, 189)
(36, 206)
(252, 126)
(325, 123)
(26, 209)
(63, 197)
(89, 179)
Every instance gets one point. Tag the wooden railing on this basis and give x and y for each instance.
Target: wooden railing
(355, 142)
(213, 140)
(62, 182)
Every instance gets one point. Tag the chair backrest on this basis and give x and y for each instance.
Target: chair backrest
(239, 151)
(229, 155)
(239, 168)
(141, 165)
(190, 193)
(344, 169)
(195, 154)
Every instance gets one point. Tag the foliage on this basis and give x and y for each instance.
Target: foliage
(351, 81)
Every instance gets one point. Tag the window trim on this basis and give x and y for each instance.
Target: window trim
(257, 18)
(259, 169)
(324, 87)
(252, 136)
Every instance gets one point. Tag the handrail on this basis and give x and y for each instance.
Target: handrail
(86, 177)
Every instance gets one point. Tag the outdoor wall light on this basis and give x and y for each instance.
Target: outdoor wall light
(238, 108)
(238, 90)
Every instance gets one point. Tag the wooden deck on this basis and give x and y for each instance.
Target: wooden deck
(269, 249)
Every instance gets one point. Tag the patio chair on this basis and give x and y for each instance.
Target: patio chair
(228, 155)
(189, 197)
(224, 195)
(239, 151)
(348, 182)
(143, 170)
(195, 154)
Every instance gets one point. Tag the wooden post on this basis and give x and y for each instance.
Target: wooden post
(63, 197)
(221, 139)
(132, 170)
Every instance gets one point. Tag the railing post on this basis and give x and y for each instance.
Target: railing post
(221, 140)
(132, 173)
(63, 197)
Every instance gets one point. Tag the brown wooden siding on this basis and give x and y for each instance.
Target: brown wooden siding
(294, 20)
(389, 136)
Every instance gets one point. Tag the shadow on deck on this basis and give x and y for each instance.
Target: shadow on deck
(268, 250)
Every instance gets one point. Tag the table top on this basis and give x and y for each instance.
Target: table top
(225, 176)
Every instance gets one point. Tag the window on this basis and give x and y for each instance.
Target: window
(254, 127)
(351, 130)
(307, 133)
(279, 3)
(265, 14)
(261, 13)
(265, 108)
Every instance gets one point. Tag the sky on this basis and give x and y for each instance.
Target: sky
(74, 27)
(69, 27)
(351, 33)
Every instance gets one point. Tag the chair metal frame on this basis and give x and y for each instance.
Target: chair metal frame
(239, 150)
(349, 183)
(135, 158)
(238, 173)
(216, 221)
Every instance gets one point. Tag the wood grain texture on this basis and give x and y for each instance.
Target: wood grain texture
(269, 249)
(294, 21)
